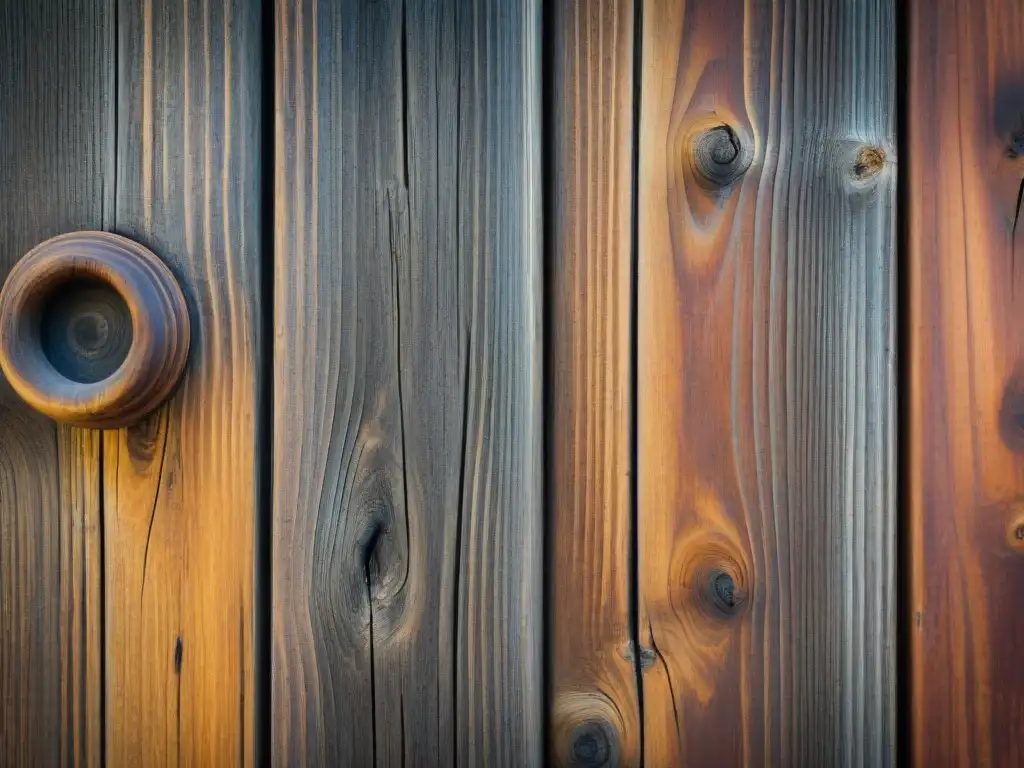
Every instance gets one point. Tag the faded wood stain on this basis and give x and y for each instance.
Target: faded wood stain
(407, 456)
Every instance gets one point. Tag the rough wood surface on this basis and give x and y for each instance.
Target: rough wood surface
(765, 388)
(966, 382)
(179, 488)
(56, 149)
(593, 674)
(407, 444)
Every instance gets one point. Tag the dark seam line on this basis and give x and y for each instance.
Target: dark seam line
(634, 334)
(264, 438)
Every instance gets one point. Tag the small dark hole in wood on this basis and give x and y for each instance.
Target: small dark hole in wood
(85, 330)
(179, 650)
(1018, 533)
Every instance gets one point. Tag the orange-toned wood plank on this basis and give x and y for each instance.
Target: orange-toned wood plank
(765, 382)
(179, 488)
(965, 471)
(594, 708)
(56, 175)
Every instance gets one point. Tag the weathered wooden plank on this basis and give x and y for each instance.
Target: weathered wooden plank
(765, 392)
(179, 488)
(965, 479)
(593, 675)
(407, 510)
(56, 153)
(81, 597)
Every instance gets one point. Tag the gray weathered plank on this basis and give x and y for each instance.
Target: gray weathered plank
(594, 708)
(766, 389)
(407, 456)
(56, 154)
(179, 489)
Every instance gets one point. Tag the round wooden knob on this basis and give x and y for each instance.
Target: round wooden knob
(94, 329)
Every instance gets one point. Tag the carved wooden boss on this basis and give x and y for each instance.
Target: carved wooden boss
(94, 330)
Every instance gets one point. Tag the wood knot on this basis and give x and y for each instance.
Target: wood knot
(591, 743)
(718, 156)
(1015, 530)
(869, 162)
(1011, 413)
(714, 580)
(586, 730)
(1016, 147)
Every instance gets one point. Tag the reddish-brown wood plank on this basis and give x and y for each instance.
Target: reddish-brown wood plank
(965, 472)
(765, 382)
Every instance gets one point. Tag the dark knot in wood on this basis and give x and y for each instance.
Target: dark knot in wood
(719, 157)
(1011, 413)
(592, 743)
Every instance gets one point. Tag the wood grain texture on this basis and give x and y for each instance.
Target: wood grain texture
(81, 597)
(179, 488)
(594, 708)
(765, 390)
(407, 450)
(965, 138)
(56, 153)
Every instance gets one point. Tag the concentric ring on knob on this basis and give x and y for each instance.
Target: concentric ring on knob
(159, 343)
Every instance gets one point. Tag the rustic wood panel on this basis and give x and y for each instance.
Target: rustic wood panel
(56, 154)
(594, 708)
(965, 138)
(765, 391)
(179, 488)
(407, 443)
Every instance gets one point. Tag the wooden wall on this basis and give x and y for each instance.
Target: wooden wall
(965, 392)
(543, 397)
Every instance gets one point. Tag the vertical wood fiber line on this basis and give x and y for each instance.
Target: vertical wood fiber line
(594, 708)
(407, 443)
(56, 66)
(765, 390)
(179, 489)
(965, 474)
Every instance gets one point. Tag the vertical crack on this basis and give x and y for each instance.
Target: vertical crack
(458, 546)
(405, 93)
(178, 656)
(367, 559)
(152, 512)
(1013, 237)
(668, 677)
